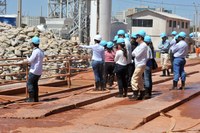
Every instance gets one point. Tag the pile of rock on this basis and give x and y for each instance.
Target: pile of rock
(15, 42)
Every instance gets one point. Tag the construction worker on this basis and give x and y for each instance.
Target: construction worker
(148, 69)
(164, 49)
(36, 61)
(97, 62)
(109, 64)
(103, 43)
(172, 42)
(140, 54)
(120, 69)
(121, 34)
(180, 51)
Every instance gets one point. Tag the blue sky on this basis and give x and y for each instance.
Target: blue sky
(183, 8)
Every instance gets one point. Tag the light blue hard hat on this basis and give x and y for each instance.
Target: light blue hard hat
(110, 44)
(163, 35)
(176, 37)
(147, 39)
(141, 33)
(115, 38)
(191, 34)
(127, 35)
(182, 34)
(121, 32)
(121, 41)
(103, 42)
(174, 33)
(133, 35)
(35, 40)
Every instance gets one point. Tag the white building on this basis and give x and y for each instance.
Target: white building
(155, 23)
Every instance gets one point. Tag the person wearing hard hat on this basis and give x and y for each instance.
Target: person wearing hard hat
(120, 69)
(121, 34)
(109, 64)
(148, 69)
(191, 43)
(97, 61)
(35, 72)
(180, 51)
(172, 42)
(103, 43)
(164, 49)
(140, 54)
(134, 44)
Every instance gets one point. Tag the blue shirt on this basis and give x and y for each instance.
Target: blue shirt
(164, 46)
(97, 52)
(180, 49)
(36, 61)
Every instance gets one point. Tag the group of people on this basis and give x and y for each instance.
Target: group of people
(130, 58)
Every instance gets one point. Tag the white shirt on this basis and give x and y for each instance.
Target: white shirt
(129, 50)
(36, 61)
(120, 58)
(140, 54)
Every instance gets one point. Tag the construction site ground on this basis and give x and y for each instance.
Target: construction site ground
(87, 112)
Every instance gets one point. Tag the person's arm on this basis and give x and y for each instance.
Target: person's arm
(33, 57)
(138, 52)
(174, 48)
(117, 56)
(160, 46)
(86, 46)
(166, 45)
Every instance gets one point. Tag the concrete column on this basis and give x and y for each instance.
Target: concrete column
(105, 19)
(93, 20)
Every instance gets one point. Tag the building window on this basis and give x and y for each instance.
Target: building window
(142, 23)
(170, 23)
(182, 25)
(186, 25)
(174, 23)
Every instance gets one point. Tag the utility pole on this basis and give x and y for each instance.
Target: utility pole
(197, 18)
(19, 13)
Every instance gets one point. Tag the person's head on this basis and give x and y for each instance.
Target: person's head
(140, 36)
(176, 38)
(97, 39)
(110, 45)
(133, 37)
(115, 39)
(35, 41)
(103, 43)
(181, 36)
(174, 33)
(163, 36)
(120, 43)
(121, 33)
(147, 40)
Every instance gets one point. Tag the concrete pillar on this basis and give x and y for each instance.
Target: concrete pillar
(105, 19)
(93, 20)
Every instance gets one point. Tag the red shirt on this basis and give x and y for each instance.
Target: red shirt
(109, 56)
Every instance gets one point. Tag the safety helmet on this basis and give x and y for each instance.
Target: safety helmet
(115, 38)
(110, 44)
(182, 34)
(174, 33)
(98, 38)
(147, 39)
(103, 42)
(121, 32)
(127, 35)
(35, 40)
(121, 41)
(163, 35)
(133, 35)
(176, 37)
(141, 33)
(191, 34)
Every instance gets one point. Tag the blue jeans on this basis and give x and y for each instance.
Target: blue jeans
(32, 83)
(179, 71)
(148, 78)
(97, 67)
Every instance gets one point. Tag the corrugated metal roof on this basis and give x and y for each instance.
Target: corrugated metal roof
(169, 15)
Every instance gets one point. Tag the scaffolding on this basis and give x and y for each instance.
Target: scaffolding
(3, 7)
(77, 10)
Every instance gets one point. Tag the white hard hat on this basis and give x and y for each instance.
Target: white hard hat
(98, 38)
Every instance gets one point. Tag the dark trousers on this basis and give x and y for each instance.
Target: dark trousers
(179, 71)
(109, 74)
(97, 67)
(172, 60)
(121, 79)
(130, 71)
(148, 79)
(32, 84)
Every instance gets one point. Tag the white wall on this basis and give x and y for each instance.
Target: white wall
(93, 20)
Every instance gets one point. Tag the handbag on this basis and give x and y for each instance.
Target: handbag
(154, 64)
